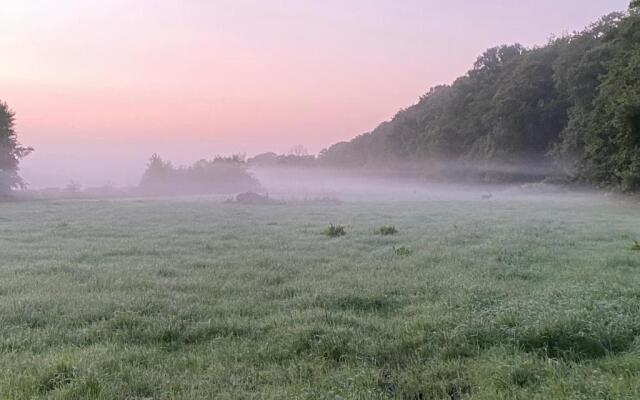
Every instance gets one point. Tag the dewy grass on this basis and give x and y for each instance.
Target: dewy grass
(183, 300)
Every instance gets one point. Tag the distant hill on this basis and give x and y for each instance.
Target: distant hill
(570, 108)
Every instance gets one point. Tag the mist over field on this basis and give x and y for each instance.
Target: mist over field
(189, 208)
(385, 185)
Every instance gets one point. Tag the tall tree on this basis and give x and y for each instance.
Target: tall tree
(158, 171)
(612, 132)
(11, 152)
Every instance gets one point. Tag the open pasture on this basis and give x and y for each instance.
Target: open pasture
(163, 299)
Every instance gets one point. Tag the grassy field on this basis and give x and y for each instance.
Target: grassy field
(155, 299)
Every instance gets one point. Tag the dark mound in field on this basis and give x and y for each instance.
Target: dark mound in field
(316, 200)
(252, 198)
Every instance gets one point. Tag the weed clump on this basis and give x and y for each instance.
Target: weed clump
(386, 230)
(56, 377)
(335, 231)
(636, 245)
(402, 251)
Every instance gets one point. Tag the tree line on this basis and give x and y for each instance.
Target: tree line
(219, 175)
(571, 107)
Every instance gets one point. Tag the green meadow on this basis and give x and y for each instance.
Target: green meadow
(524, 298)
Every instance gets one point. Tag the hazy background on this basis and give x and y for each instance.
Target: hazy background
(100, 85)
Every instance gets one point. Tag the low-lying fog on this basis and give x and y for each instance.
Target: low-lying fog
(346, 185)
(332, 184)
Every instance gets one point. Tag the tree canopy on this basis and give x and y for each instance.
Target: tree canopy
(11, 152)
(571, 106)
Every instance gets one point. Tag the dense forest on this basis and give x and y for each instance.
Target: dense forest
(570, 108)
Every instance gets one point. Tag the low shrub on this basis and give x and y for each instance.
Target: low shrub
(386, 230)
(335, 231)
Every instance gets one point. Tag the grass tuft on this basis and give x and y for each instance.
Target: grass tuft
(402, 251)
(386, 230)
(59, 375)
(335, 231)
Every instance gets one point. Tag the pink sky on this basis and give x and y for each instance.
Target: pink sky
(99, 85)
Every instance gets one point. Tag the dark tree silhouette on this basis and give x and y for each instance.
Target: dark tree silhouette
(221, 175)
(11, 152)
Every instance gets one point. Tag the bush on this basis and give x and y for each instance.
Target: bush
(335, 231)
(387, 230)
(636, 245)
